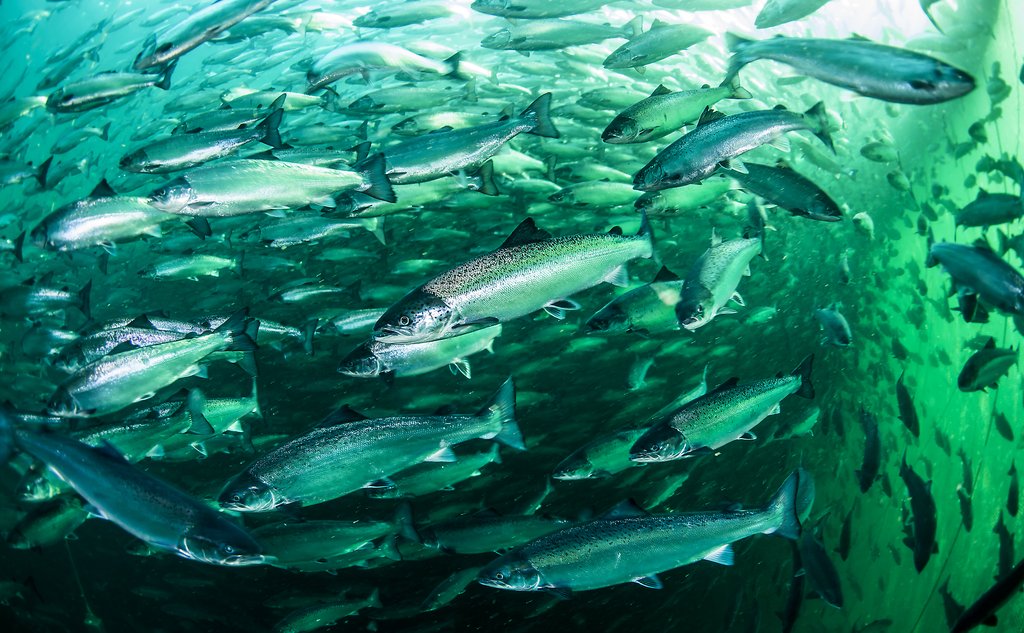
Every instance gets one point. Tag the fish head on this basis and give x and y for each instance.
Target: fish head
(247, 493)
(694, 312)
(610, 318)
(221, 543)
(172, 197)
(61, 100)
(361, 363)
(512, 573)
(38, 487)
(64, 405)
(622, 129)
(574, 468)
(40, 235)
(500, 40)
(662, 443)
(946, 81)
(652, 177)
(134, 161)
(420, 316)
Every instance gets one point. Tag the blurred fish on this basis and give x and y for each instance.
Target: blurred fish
(923, 511)
(908, 412)
(835, 327)
(628, 545)
(135, 374)
(649, 309)
(718, 140)
(711, 282)
(779, 12)
(660, 41)
(985, 367)
(250, 186)
(664, 112)
(326, 614)
(783, 186)
(868, 472)
(535, 9)
(104, 89)
(549, 35)
(873, 70)
(723, 415)
(184, 151)
(375, 358)
(197, 27)
(989, 209)
(310, 469)
(136, 501)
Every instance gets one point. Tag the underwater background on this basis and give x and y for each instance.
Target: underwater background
(909, 169)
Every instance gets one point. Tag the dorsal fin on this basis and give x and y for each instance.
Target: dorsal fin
(446, 409)
(102, 190)
(526, 233)
(487, 513)
(665, 275)
(142, 322)
(991, 344)
(982, 193)
(728, 384)
(615, 230)
(627, 508)
(780, 107)
(708, 116)
(660, 90)
(341, 415)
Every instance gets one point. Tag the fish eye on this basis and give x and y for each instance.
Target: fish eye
(404, 320)
(227, 549)
(499, 576)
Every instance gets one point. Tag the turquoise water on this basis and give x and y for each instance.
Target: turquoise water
(572, 386)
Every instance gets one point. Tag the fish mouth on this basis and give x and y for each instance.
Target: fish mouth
(247, 560)
(646, 458)
(497, 584)
(396, 335)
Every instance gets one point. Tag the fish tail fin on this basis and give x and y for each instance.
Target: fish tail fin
(254, 396)
(633, 28)
(930, 260)
(42, 170)
(19, 247)
(165, 76)
(105, 132)
(195, 402)
(739, 59)
(269, 126)
(502, 411)
(374, 600)
(736, 90)
(453, 63)
(330, 100)
(485, 176)
(374, 171)
(791, 502)
(83, 299)
(308, 332)
(404, 524)
(818, 117)
(539, 114)
(6, 433)
(647, 232)
(239, 336)
(803, 370)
